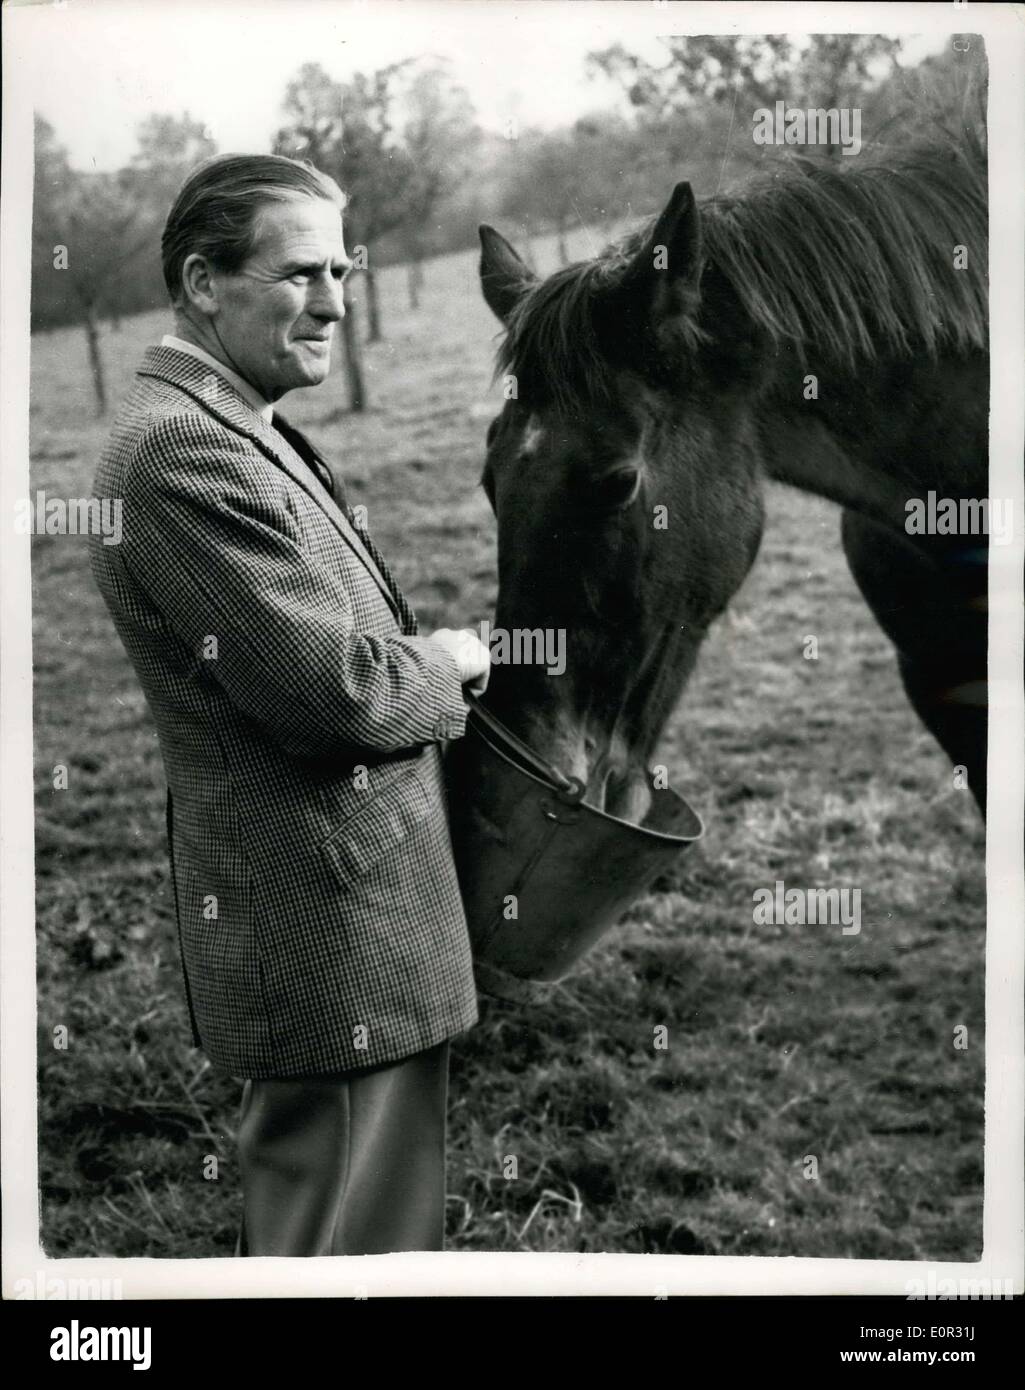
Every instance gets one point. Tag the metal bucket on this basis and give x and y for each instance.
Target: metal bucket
(543, 875)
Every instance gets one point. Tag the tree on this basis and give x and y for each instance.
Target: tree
(826, 70)
(316, 113)
(946, 91)
(347, 130)
(838, 69)
(169, 148)
(439, 133)
(702, 68)
(106, 232)
(596, 172)
(89, 230)
(545, 183)
(622, 171)
(85, 231)
(51, 183)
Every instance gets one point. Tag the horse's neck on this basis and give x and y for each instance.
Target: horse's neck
(801, 450)
(873, 444)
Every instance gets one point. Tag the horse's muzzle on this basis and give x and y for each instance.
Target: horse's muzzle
(543, 875)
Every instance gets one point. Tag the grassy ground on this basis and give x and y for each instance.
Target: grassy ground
(784, 1042)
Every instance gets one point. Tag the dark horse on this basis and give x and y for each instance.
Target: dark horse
(820, 328)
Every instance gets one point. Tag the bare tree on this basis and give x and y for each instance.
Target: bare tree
(169, 148)
(439, 134)
(51, 184)
(590, 174)
(106, 232)
(86, 231)
(92, 227)
(347, 129)
(544, 185)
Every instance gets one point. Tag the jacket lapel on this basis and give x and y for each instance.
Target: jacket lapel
(216, 395)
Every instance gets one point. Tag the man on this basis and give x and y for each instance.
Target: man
(300, 717)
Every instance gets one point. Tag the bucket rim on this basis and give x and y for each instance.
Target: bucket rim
(633, 826)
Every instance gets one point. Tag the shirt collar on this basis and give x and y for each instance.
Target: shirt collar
(248, 393)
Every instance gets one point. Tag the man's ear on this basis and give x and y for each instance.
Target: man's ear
(199, 290)
(504, 276)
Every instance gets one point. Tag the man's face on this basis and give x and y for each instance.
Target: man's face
(275, 317)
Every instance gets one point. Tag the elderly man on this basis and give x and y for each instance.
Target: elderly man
(300, 716)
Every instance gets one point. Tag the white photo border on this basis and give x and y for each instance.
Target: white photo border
(25, 1266)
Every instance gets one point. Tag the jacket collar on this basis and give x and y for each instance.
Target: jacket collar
(246, 390)
(217, 396)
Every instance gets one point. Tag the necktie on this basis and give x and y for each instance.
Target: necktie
(313, 460)
(319, 467)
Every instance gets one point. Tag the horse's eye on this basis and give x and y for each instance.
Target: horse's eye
(615, 489)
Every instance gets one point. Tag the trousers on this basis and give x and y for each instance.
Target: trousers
(352, 1164)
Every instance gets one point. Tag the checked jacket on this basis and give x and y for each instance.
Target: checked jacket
(300, 719)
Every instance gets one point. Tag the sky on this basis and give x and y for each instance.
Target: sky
(99, 67)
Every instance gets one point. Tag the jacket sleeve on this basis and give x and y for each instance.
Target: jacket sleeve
(221, 558)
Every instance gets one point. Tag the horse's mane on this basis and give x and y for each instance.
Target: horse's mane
(846, 263)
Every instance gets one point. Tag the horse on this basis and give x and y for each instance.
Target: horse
(826, 326)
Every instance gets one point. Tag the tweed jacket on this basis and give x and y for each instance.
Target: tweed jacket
(300, 718)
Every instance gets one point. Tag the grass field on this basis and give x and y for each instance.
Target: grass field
(784, 1042)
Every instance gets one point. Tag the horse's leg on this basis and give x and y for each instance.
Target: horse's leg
(934, 613)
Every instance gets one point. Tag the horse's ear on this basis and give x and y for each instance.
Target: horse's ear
(504, 276)
(665, 272)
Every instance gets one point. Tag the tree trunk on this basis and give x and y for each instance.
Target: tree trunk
(832, 151)
(373, 307)
(92, 337)
(353, 356)
(563, 248)
(414, 280)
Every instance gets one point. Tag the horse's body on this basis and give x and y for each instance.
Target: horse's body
(814, 330)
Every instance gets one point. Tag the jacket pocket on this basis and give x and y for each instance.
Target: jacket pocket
(388, 818)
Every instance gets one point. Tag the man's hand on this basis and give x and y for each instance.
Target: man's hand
(470, 655)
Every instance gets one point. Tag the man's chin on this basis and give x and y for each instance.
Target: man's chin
(309, 374)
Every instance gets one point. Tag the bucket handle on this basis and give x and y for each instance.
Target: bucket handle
(569, 789)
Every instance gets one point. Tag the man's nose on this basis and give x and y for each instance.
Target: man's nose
(327, 300)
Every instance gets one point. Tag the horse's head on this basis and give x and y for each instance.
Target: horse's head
(623, 473)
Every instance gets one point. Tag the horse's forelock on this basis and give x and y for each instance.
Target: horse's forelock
(551, 346)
